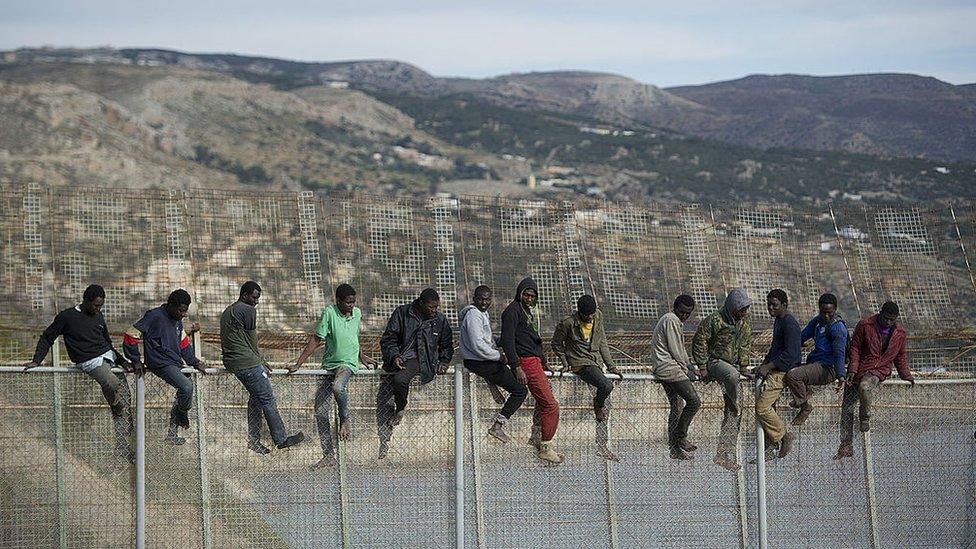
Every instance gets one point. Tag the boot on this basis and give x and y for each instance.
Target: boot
(726, 462)
(786, 445)
(536, 438)
(328, 460)
(679, 453)
(397, 418)
(686, 446)
(547, 454)
(256, 447)
(497, 430)
(805, 409)
(770, 454)
(173, 436)
(292, 440)
(604, 451)
(845, 450)
(865, 426)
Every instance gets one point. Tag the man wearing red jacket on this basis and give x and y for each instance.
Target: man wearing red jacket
(878, 342)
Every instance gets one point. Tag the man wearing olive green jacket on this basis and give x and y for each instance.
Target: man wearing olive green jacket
(721, 347)
(581, 343)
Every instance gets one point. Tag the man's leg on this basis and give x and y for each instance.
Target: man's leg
(497, 374)
(685, 390)
(773, 427)
(401, 388)
(341, 396)
(866, 390)
(800, 379)
(258, 384)
(385, 410)
(547, 409)
(846, 448)
(113, 389)
(323, 406)
(181, 404)
(601, 386)
(728, 376)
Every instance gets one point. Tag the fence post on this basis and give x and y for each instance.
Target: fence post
(761, 477)
(140, 462)
(202, 449)
(611, 507)
(459, 456)
(476, 461)
(59, 446)
(869, 484)
(343, 489)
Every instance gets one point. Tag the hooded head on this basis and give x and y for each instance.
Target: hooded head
(734, 302)
(526, 284)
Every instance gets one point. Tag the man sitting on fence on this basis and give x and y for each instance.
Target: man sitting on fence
(239, 352)
(826, 362)
(783, 357)
(580, 342)
(879, 342)
(674, 371)
(338, 330)
(90, 348)
(482, 357)
(721, 348)
(167, 346)
(522, 345)
(417, 342)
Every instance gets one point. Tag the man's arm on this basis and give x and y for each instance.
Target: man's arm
(856, 343)
(901, 362)
(558, 344)
(472, 325)
(133, 337)
(675, 341)
(838, 350)
(809, 331)
(605, 349)
(509, 325)
(46, 340)
(390, 340)
(445, 345)
(745, 344)
(311, 345)
(790, 355)
(187, 351)
(699, 344)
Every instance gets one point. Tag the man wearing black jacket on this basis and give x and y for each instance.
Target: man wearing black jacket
(417, 341)
(90, 348)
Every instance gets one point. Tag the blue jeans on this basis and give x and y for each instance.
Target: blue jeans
(184, 393)
(333, 385)
(262, 401)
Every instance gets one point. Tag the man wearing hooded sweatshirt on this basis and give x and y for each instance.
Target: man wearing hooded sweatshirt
(580, 342)
(417, 342)
(674, 371)
(826, 362)
(783, 356)
(879, 342)
(484, 359)
(721, 349)
(522, 346)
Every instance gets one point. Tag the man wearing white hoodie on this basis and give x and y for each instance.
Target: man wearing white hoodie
(482, 357)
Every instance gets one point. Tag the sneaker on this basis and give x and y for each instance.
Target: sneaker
(604, 452)
(548, 455)
(786, 445)
(680, 453)
(687, 446)
(257, 447)
(397, 418)
(726, 462)
(865, 426)
(326, 461)
(497, 430)
(174, 439)
(805, 411)
(496, 394)
(292, 440)
(845, 450)
(795, 404)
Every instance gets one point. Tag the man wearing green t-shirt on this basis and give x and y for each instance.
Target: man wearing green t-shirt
(338, 330)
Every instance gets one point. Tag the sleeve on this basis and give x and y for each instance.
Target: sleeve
(809, 332)
(509, 325)
(390, 340)
(558, 342)
(901, 361)
(471, 325)
(699, 344)
(605, 348)
(186, 349)
(745, 344)
(247, 316)
(790, 355)
(47, 338)
(838, 350)
(133, 337)
(856, 342)
(324, 327)
(676, 344)
(445, 346)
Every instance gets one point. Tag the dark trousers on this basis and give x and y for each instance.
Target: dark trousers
(502, 376)
(799, 379)
(261, 402)
(593, 376)
(184, 393)
(685, 403)
(396, 387)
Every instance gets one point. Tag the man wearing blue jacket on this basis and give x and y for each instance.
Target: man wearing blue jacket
(826, 362)
(783, 356)
(167, 346)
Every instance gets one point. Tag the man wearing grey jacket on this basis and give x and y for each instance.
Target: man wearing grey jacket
(673, 369)
(482, 357)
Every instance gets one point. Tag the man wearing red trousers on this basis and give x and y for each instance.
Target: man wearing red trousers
(523, 348)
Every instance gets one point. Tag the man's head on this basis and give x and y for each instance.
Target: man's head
(250, 293)
(888, 315)
(482, 298)
(586, 308)
(777, 303)
(683, 306)
(428, 303)
(93, 299)
(345, 298)
(736, 305)
(178, 304)
(529, 297)
(828, 307)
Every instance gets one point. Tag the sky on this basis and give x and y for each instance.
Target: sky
(662, 43)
